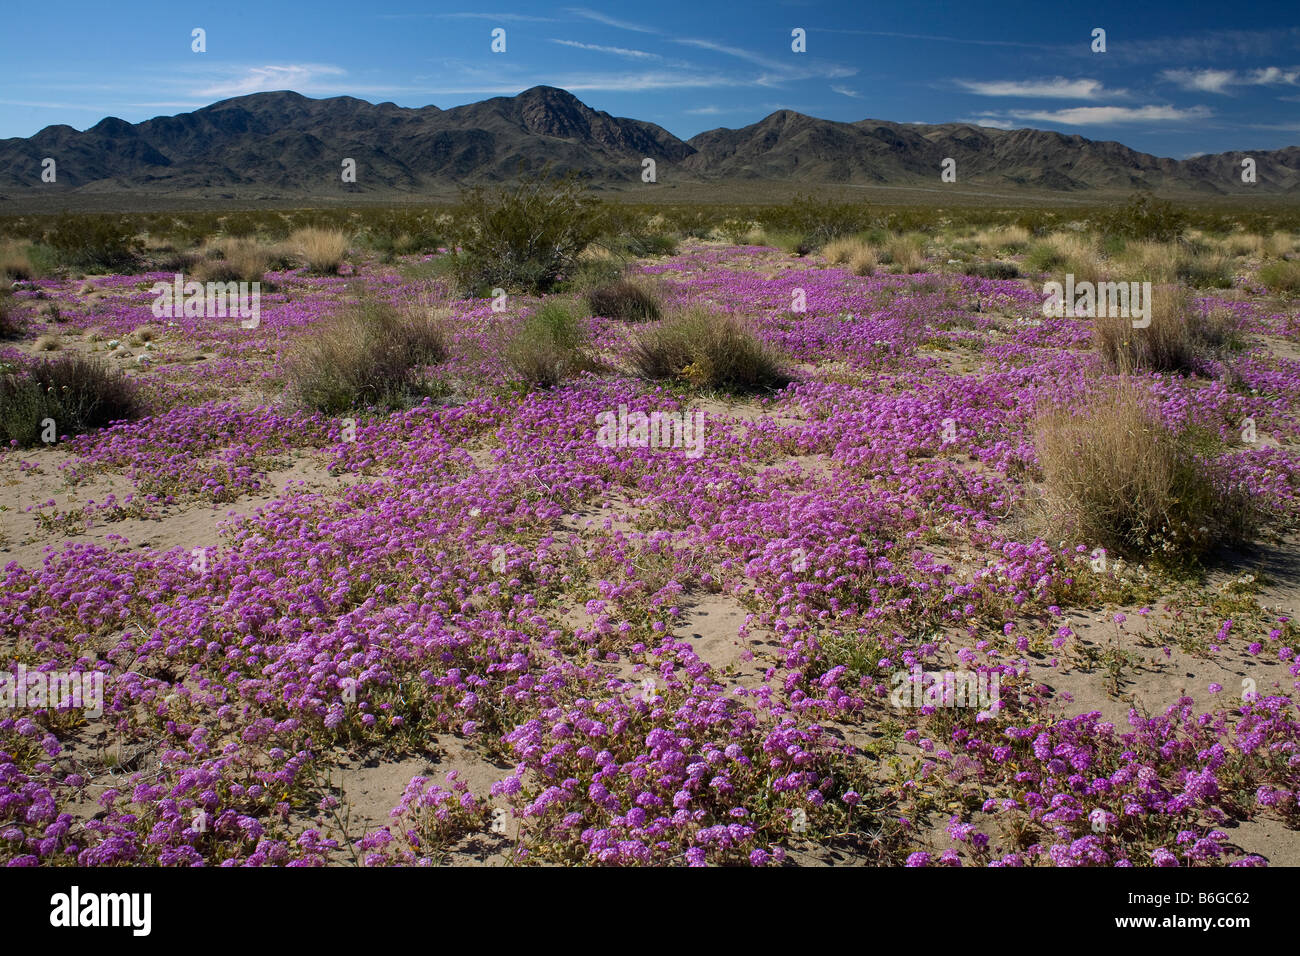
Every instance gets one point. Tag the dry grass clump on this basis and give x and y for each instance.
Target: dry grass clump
(623, 299)
(16, 261)
(1121, 480)
(904, 254)
(853, 251)
(1067, 252)
(322, 250)
(48, 343)
(549, 347)
(233, 260)
(1168, 344)
(1281, 275)
(369, 354)
(708, 350)
(1002, 240)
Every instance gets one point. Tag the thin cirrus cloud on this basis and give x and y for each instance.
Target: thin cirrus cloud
(845, 91)
(609, 21)
(1056, 88)
(1222, 81)
(302, 77)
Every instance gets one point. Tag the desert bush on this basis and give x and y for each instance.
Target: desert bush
(48, 343)
(1145, 217)
(321, 250)
(1062, 253)
(369, 354)
(77, 392)
(904, 254)
(525, 237)
(549, 347)
(993, 270)
(16, 261)
(1282, 275)
(234, 260)
(708, 350)
(816, 221)
(1204, 270)
(10, 328)
(624, 300)
(97, 243)
(1122, 481)
(1167, 344)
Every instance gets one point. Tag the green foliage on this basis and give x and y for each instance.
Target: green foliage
(371, 354)
(78, 392)
(549, 347)
(100, 242)
(1145, 217)
(708, 350)
(817, 221)
(525, 237)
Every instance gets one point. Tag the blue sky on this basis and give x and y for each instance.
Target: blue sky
(1177, 78)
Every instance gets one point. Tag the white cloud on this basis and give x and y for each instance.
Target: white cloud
(991, 121)
(301, 77)
(615, 50)
(610, 21)
(1112, 115)
(1221, 81)
(1058, 88)
(845, 91)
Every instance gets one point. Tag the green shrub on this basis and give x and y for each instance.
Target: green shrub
(623, 300)
(523, 238)
(77, 392)
(1145, 217)
(817, 221)
(370, 354)
(993, 270)
(549, 347)
(708, 350)
(95, 243)
(1282, 275)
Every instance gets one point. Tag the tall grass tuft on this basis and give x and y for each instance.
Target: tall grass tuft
(708, 350)
(77, 392)
(1120, 480)
(370, 354)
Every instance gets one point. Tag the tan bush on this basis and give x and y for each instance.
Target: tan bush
(1119, 479)
(322, 250)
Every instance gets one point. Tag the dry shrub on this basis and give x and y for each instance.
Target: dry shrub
(233, 260)
(79, 393)
(15, 260)
(904, 254)
(1282, 275)
(369, 354)
(1121, 480)
(48, 343)
(10, 328)
(322, 250)
(145, 333)
(1167, 344)
(708, 350)
(623, 299)
(549, 347)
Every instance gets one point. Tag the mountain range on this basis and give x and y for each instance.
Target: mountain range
(284, 145)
